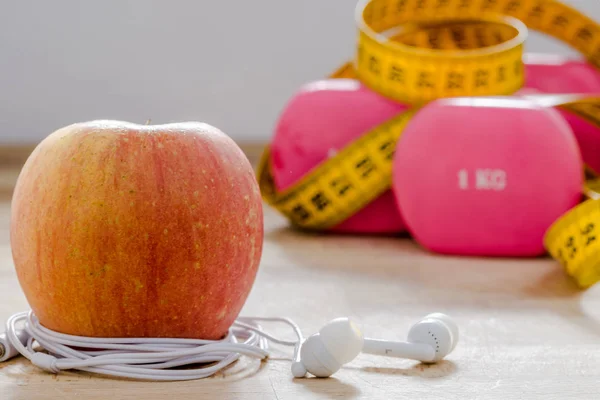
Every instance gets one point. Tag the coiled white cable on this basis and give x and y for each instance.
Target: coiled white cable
(143, 358)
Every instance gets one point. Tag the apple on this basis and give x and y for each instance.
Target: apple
(128, 230)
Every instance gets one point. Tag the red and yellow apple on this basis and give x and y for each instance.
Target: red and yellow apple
(127, 230)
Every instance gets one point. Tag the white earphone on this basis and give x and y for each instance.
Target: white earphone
(340, 341)
(321, 354)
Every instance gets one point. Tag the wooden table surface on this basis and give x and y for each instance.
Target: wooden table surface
(526, 331)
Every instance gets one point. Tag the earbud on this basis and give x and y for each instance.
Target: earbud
(323, 353)
(340, 341)
(429, 340)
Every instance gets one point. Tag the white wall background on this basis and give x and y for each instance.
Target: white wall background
(231, 63)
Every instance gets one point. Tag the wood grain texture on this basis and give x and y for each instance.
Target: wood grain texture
(526, 331)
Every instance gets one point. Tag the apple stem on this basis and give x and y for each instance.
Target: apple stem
(148, 121)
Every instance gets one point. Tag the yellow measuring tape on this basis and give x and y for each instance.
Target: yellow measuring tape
(416, 51)
(574, 239)
(343, 184)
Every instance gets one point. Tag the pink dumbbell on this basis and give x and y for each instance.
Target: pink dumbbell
(486, 176)
(321, 119)
(548, 73)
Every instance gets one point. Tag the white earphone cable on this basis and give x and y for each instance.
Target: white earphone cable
(144, 358)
